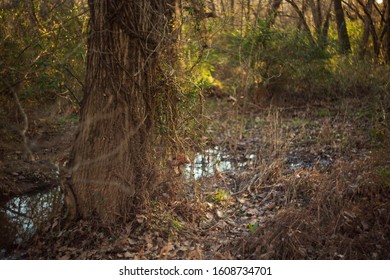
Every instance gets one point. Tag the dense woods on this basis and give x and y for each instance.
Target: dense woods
(195, 129)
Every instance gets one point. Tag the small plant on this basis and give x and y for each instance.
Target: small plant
(298, 122)
(323, 112)
(176, 224)
(252, 227)
(220, 196)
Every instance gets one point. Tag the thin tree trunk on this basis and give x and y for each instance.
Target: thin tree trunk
(316, 12)
(387, 57)
(371, 26)
(232, 12)
(302, 20)
(257, 11)
(272, 12)
(223, 9)
(366, 30)
(248, 10)
(112, 164)
(345, 46)
(323, 40)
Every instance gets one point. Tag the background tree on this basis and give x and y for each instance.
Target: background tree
(112, 162)
(367, 27)
(342, 32)
(388, 32)
(42, 65)
(272, 11)
(302, 19)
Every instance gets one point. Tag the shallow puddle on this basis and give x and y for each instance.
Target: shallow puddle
(21, 216)
(205, 164)
(294, 162)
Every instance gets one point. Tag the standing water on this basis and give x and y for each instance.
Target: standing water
(213, 159)
(21, 216)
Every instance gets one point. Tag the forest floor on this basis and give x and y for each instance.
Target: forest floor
(304, 182)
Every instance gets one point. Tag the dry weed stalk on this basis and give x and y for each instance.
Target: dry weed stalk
(332, 225)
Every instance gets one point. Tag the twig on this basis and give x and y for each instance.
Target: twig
(16, 212)
(25, 120)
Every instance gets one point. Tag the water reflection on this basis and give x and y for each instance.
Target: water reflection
(213, 159)
(21, 216)
(294, 162)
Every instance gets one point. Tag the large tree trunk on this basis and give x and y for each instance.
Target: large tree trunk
(345, 46)
(112, 163)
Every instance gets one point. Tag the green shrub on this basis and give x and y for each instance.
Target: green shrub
(286, 63)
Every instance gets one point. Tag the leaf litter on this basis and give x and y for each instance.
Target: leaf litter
(303, 190)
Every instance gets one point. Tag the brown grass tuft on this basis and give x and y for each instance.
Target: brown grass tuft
(346, 218)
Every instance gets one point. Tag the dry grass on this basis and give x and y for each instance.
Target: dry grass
(344, 219)
(340, 213)
(339, 209)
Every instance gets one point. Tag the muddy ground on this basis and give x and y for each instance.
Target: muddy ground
(305, 182)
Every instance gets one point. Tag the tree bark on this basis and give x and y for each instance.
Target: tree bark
(248, 10)
(323, 40)
(272, 12)
(112, 164)
(316, 12)
(302, 20)
(232, 12)
(345, 46)
(387, 56)
(366, 29)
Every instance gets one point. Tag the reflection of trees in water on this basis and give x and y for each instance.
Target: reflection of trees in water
(23, 215)
(204, 164)
(210, 160)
